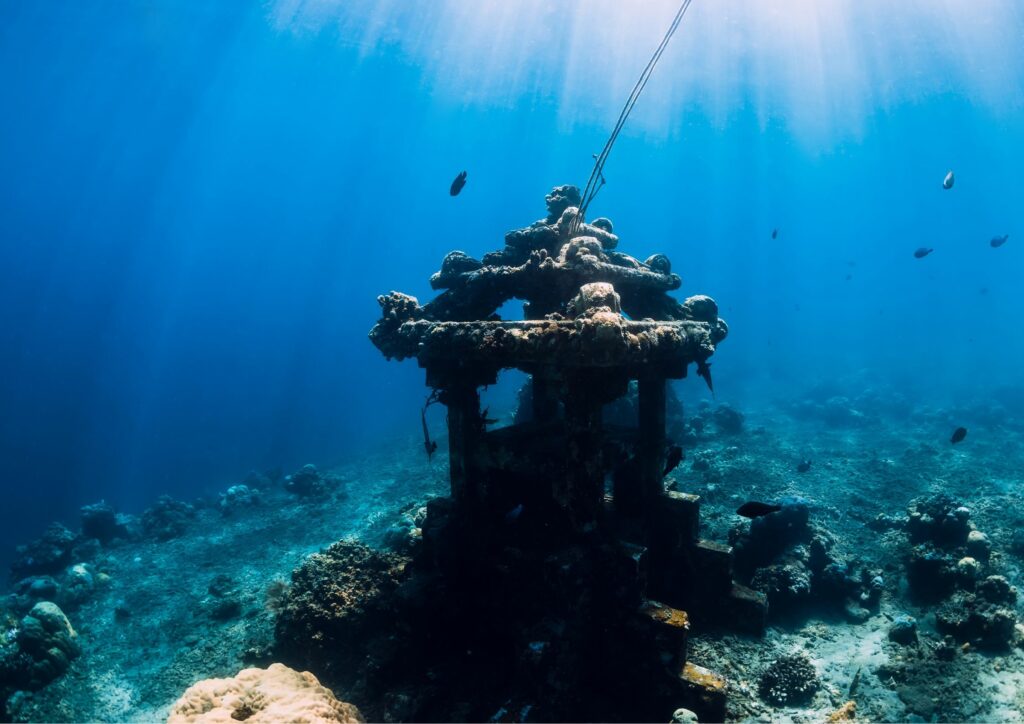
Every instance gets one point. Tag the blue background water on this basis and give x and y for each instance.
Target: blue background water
(199, 203)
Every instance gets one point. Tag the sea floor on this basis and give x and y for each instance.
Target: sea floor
(160, 622)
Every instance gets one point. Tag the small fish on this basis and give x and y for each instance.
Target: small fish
(775, 233)
(672, 460)
(457, 184)
(513, 515)
(704, 372)
(848, 277)
(922, 252)
(754, 509)
(998, 241)
(947, 183)
(803, 466)
(958, 435)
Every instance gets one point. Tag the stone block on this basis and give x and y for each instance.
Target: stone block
(669, 630)
(703, 691)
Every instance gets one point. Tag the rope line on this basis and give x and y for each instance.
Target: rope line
(596, 180)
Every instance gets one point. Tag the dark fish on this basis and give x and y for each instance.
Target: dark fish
(754, 509)
(958, 434)
(672, 460)
(803, 466)
(704, 372)
(947, 183)
(457, 184)
(998, 241)
(513, 515)
(848, 277)
(775, 233)
(922, 252)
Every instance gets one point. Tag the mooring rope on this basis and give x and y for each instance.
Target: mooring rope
(596, 180)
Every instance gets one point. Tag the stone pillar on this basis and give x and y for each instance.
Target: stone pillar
(545, 396)
(651, 448)
(464, 430)
(581, 490)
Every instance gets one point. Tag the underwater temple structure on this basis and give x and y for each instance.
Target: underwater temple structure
(565, 508)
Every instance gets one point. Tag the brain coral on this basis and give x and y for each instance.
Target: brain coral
(275, 694)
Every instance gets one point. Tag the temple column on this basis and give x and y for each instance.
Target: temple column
(651, 448)
(463, 402)
(581, 489)
(544, 395)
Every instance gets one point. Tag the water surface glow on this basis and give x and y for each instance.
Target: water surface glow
(819, 66)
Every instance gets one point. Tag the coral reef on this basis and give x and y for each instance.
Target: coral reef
(167, 518)
(102, 522)
(728, 419)
(307, 481)
(146, 636)
(938, 519)
(40, 650)
(948, 553)
(792, 562)
(985, 618)
(238, 496)
(406, 530)
(336, 597)
(789, 681)
(262, 696)
(49, 554)
(523, 593)
(764, 538)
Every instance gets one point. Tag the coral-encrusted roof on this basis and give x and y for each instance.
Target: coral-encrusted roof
(631, 322)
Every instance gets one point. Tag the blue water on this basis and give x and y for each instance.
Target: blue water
(199, 203)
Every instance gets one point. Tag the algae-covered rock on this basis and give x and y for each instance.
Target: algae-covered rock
(903, 630)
